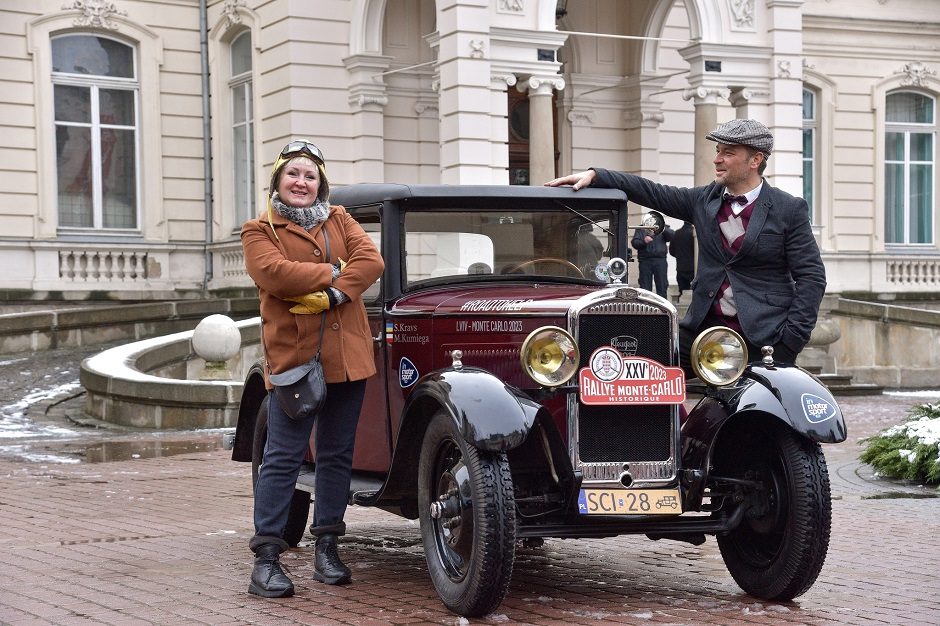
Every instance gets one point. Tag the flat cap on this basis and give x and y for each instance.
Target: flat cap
(749, 133)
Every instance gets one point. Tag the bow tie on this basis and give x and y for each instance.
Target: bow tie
(742, 200)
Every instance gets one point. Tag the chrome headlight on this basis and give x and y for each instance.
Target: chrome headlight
(549, 356)
(718, 356)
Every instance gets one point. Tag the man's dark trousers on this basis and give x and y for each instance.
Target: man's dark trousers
(652, 269)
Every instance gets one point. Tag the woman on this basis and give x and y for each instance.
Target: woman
(307, 257)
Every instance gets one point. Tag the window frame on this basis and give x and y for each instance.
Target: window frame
(245, 82)
(96, 83)
(907, 129)
(811, 125)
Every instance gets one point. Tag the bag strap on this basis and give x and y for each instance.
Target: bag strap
(326, 242)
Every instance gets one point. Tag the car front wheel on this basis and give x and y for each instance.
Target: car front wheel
(300, 500)
(468, 523)
(779, 548)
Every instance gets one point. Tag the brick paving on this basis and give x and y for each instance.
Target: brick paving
(163, 540)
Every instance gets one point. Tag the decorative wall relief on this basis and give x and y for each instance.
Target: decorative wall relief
(511, 6)
(476, 49)
(230, 12)
(94, 13)
(917, 74)
(783, 69)
(581, 117)
(509, 79)
(742, 13)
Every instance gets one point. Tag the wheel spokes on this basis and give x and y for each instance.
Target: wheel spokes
(452, 511)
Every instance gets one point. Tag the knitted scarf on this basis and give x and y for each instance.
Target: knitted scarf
(305, 217)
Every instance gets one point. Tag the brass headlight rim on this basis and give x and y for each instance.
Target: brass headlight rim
(694, 361)
(526, 345)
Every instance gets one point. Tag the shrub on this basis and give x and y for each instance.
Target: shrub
(909, 450)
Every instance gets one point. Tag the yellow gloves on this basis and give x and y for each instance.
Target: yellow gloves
(318, 301)
(312, 303)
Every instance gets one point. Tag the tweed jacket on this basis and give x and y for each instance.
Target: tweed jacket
(778, 278)
(293, 264)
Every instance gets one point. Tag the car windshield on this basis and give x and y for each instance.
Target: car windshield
(452, 243)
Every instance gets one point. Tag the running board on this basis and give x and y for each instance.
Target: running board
(362, 488)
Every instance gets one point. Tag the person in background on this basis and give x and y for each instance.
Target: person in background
(311, 262)
(651, 256)
(682, 247)
(759, 270)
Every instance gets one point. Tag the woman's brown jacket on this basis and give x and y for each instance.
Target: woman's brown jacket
(294, 263)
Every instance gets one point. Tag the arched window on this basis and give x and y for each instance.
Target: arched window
(910, 138)
(810, 152)
(95, 102)
(242, 126)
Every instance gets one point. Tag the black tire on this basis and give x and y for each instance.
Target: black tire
(300, 500)
(779, 548)
(470, 547)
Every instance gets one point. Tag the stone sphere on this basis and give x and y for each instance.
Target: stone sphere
(216, 338)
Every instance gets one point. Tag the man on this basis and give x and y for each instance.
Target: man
(651, 254)
(682, 247)
(759, 268)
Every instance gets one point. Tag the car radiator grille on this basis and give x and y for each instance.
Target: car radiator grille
(631, 432)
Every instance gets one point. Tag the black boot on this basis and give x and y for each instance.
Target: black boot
(327, 567)
(267, 578)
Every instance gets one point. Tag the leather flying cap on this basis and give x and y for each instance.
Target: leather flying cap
(749, 133)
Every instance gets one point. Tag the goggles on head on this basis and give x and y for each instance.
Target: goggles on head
(302, 146)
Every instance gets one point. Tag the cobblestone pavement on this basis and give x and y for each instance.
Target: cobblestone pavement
(158, 534)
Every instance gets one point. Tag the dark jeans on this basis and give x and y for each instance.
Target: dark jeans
(653, 268)
(782, 354)
(284, 452)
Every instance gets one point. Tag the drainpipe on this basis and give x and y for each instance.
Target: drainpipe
(206, 138)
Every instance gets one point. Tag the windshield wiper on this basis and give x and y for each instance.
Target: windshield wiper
(586, 218)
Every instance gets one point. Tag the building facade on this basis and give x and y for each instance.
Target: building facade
(138, 135)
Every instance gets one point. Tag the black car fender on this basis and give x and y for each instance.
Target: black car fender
(253, 394)
(786, 393)
(489, 414)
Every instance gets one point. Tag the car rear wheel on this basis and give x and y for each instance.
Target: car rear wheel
(779, 548)
(300, 500)
(468, 523)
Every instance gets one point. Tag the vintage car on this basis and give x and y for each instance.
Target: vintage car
(526, 390)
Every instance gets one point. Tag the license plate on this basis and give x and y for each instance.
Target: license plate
(629, 502)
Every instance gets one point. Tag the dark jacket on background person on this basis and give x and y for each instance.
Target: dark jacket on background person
(777, 277)
(654, 249)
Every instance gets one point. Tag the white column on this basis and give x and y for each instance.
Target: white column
(367, 100)
(541, 128)
(705, 100)
(784, 25)
(464, 86)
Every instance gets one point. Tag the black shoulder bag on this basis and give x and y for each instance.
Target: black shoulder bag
(301, 390)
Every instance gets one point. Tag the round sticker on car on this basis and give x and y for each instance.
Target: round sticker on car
(606, 364)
